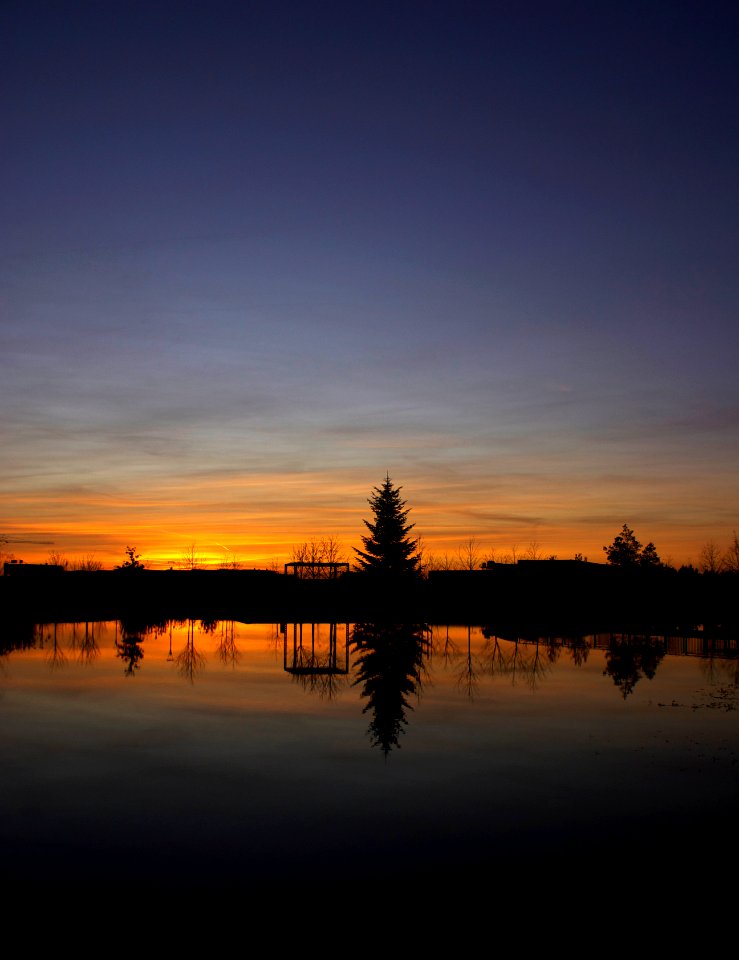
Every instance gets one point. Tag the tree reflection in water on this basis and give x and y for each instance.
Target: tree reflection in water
(447, 648)
(326, 685)
(631, 657)
(129, 649)
(88, 648)
(56, 657)
(516, 658)
(579, 651)
(189, 660)
(494, 657)
(553, 646)
(529, 658)
(226, 648)
(531, 663)
(465, 664)
(390, 668)
(719, 670)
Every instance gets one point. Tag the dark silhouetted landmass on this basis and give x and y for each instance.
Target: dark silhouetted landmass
(567, 597)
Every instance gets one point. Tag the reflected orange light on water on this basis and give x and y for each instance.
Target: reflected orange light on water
(460, 662)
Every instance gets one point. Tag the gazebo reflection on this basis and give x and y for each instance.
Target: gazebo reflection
(316, 654)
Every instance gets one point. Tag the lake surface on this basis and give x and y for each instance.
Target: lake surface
(230, 755)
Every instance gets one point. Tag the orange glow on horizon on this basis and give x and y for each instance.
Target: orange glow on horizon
(257, 519)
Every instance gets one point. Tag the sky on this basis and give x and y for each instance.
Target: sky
(254, 256)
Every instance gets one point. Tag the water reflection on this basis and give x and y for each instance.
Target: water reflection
(579, 651)
(390, 666)
(56, 657)
(190, 661)
(464, 663)
(311, 655)
(226, 649)
(386, 662)
(129, 649)
(520, 659)
(720, 670)
(631, 658)
(88, 646)
(266, 750)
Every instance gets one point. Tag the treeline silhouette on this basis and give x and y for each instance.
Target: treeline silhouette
(540, 596)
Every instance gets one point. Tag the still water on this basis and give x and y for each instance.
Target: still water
(201, 755)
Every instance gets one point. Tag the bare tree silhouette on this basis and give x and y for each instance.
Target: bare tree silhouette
(190, 559)
(470, 554)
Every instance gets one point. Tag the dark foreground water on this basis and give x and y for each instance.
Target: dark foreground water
(233, 757)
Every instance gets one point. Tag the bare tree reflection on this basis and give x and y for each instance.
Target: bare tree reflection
(553, 647)
(528, 664)
(720, 670)
(530, 659)
(468, 674)
(495, 660)
(88, 648)
(189, 660)
(326, 685)
(226, 648)
(446, 648)
(277, 638)
(390, 667)
(538, 667)
(56, 657)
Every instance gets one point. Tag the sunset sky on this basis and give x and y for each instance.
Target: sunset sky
(254, 255)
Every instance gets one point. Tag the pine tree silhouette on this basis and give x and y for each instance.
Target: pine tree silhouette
(388, 549)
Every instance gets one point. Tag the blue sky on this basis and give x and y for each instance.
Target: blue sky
(255, 255)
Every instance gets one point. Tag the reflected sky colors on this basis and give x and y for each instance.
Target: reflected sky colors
(240, 772)
(253, 256)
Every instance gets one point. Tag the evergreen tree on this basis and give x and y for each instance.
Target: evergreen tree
(626, 551)
(388, 549)
(649, 556)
